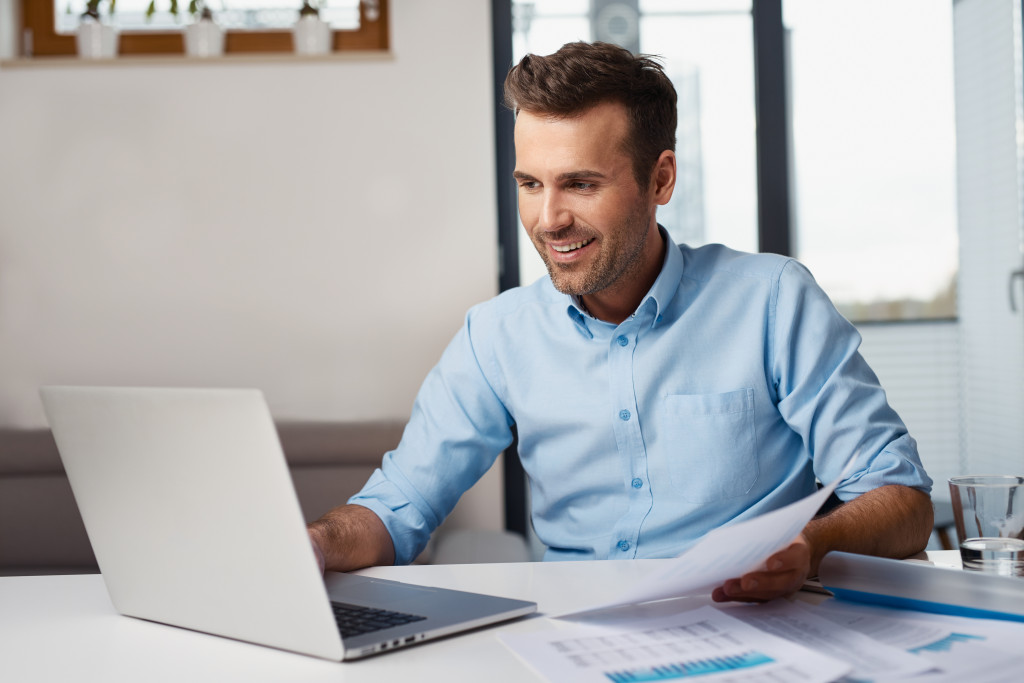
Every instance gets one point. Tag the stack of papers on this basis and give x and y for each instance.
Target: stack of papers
(777, 641)
(704, 642)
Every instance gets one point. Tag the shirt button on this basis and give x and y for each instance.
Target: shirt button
(638, 483)
(623, 546)
(624, 415)
(622, 340)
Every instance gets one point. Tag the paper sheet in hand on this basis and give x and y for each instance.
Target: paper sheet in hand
(728, 552)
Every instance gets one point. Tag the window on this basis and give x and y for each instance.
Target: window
(872, 144)
(874, 162)
(252, 25)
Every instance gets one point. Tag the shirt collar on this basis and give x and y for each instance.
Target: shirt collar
(667, 284)
(659, 296)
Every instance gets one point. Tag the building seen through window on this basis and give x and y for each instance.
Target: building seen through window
(874, 154)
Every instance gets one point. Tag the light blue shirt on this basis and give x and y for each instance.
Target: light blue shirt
(733, 386)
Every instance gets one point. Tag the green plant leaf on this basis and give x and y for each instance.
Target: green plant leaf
(92, 9)
(151, 10)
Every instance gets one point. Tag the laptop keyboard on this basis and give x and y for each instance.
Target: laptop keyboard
(353, 619)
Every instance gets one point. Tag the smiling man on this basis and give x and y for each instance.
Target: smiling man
(659, 391)
(586, 213)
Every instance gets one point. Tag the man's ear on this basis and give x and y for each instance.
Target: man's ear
(663, 179)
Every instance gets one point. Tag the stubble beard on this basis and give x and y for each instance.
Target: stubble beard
(619, 260)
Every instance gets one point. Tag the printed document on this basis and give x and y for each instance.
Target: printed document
(871, 658)
(959, 648)
(704, 643)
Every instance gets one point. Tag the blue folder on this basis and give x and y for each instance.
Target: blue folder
(922, 587)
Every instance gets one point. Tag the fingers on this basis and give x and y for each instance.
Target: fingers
(759, 586)
(785, 573)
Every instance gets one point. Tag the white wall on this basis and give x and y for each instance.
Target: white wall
(314, 229)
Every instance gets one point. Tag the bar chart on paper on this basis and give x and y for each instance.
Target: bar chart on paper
(702, 643)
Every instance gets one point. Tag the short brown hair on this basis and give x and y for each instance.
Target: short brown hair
(582, 75)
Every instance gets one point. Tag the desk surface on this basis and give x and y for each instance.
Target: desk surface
(57, 628)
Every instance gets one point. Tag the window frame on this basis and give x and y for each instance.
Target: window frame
(38, 20)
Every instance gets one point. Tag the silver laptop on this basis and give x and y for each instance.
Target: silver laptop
(194, 521)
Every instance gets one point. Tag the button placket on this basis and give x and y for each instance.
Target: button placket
(621, 349)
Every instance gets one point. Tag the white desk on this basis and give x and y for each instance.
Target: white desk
(63, 628)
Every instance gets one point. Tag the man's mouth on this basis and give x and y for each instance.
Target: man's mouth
(572, 247)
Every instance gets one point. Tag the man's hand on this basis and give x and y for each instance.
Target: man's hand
(350, 537)
(890, 521)
(785, 573)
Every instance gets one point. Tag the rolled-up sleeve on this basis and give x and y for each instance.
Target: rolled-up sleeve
(457, 429)
(829, 395)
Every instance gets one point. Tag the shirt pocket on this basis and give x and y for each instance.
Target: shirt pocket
(711, 445)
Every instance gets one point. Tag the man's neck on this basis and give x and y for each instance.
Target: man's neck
(616, 303)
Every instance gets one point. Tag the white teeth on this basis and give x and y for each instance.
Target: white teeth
(572, 247)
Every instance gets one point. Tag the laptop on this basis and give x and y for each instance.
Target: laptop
(190, 509)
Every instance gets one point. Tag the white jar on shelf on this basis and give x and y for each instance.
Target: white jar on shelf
(311, 35)
(95, 40)
(204, 38)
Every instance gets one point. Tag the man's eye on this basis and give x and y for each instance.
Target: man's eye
(582, 186)
(529, 184)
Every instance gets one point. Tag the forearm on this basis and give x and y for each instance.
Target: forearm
(890, 521)
(352, 537)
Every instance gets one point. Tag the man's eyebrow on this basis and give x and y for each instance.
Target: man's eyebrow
(582, 174)
(569, 175)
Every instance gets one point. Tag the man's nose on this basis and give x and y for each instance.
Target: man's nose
(554, 212)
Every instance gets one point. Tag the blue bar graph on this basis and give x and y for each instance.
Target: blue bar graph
(697, 667)
(946, 644)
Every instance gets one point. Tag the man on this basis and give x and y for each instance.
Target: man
(659, 391)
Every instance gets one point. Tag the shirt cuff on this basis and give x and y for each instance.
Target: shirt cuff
(898, 463)
(408, 528)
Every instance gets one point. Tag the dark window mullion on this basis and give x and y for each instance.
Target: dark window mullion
(770, 95)
(516, 514)
(504, 123)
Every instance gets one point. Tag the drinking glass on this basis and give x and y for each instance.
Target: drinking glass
(989, 515)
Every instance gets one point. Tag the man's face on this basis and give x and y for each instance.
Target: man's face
(579, 201)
